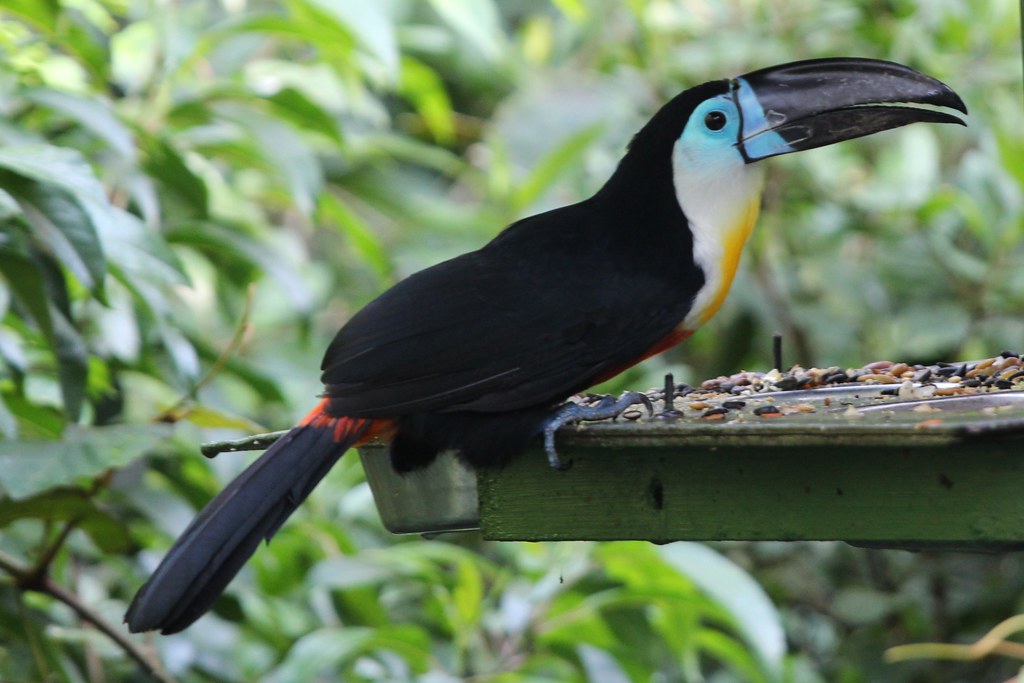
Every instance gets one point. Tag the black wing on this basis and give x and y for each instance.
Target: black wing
(550, 305)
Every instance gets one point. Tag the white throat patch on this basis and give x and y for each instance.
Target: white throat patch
(721, 196)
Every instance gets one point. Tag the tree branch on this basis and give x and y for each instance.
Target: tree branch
(27, 579)
(255, 442)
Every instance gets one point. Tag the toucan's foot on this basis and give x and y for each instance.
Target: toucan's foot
(571, 413)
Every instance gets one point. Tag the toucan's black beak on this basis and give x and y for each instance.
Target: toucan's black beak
(808, 104)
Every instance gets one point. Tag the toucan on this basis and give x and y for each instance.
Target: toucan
(479, 354)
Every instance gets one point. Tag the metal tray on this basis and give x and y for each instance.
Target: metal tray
(441, 497)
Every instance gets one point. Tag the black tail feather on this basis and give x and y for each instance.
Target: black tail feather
(227, 532)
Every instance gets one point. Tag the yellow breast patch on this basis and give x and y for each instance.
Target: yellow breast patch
(733, 240)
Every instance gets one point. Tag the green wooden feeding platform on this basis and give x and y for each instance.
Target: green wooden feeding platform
(839, 463)
(892, 460)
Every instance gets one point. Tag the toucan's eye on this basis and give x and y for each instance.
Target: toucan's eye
(715, 120)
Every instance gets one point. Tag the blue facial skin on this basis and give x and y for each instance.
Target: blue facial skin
(733, 120)
(713, 128)
(756, 140)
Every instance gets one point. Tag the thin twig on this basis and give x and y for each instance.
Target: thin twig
(992, 643)
(42, 565)
(26, 579)
(237, 339)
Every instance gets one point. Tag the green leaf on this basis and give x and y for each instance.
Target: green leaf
(292, 105)
(8, 206)
(162, 161)
(72, 364)
(425, 90)
(284, 151)
(210, 418)
(928, 328)
(600, 666)
(30, 466)
(735, 655)
(335, 649)
(743, 598)
(468, 594)
(575, 10)
(219, 241)
(41, 13)
(275, 24)
(66, 504)
(180, 349)
(60, 166)
(138, 253)
(35, 421)
(85, 42)
(42, 292)
(370, 25)
(476, 21)
(552, 165)
(62, 199)
(90, 112)
(360, 236)
(346, 572)
(413, 151)
(63, 228)
(28, 286)
(8, 421)
(864, 605)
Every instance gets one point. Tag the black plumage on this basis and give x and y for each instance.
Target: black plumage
(551, 305)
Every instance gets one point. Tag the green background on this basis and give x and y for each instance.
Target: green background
(195, 195)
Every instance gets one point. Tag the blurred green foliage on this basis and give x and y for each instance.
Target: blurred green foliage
(157, 158)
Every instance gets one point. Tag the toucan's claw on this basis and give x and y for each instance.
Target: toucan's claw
(570, 413)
